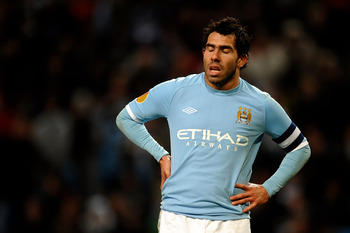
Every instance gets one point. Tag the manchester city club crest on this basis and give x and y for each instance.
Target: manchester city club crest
(244, 116)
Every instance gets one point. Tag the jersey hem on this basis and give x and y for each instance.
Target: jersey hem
(209, 217)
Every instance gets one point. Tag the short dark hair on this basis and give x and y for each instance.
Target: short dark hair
(230, 26)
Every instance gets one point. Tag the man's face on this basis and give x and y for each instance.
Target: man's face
(221, 61)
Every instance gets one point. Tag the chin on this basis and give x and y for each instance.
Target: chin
(215, 79)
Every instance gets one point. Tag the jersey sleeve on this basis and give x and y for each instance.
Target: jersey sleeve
(288, 136)
(139, 135)
(276, 119)
(290, 166)
(153, 104)
(280, 127)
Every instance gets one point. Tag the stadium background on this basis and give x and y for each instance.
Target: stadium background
(67, 67)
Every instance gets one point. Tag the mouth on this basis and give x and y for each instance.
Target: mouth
(214, 70)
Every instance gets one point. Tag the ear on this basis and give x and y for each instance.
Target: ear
(242, 61)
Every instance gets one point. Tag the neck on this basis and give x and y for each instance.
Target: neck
(224, 85)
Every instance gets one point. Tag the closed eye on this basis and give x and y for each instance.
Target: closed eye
(210, 48)
(226, 49)
(223, 48)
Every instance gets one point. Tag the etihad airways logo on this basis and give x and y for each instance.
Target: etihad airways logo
(206, 137)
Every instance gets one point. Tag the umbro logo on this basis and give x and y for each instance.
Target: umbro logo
(189, 110)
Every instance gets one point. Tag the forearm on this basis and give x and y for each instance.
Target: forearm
(138, 134)
(289, 167)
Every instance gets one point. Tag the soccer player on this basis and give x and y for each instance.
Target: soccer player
(217, 121)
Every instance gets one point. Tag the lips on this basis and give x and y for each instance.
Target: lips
(214, 69)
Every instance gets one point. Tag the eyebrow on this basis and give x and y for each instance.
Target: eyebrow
(220, 46)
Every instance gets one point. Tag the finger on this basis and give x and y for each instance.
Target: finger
(167, 174)
(241, 186)
(250, 207)
(161, 184)
(239, 196)
(163, 179)
(164, 176)
(242, 201)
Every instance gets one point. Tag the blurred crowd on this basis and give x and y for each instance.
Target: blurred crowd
(67, 67)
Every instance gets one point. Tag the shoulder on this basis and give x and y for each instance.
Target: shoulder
(276, 119)
(193, 79)
(269, 104)
(255, 92)
(170, 87)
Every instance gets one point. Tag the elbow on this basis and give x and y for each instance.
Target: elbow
(119, 121)
(308, 152)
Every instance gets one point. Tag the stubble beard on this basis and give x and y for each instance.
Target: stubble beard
(220, 82)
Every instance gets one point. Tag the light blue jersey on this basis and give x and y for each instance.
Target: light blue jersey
(215, 137)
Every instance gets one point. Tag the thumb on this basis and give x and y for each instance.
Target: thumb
(165, 169)
(164, 176)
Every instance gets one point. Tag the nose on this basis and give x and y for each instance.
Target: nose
(215, 55)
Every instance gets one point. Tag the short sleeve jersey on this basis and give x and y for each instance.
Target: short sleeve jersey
(215, 136)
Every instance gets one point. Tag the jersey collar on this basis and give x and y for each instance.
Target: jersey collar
(219, 92)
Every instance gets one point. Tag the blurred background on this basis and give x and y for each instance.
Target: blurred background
(67, 67)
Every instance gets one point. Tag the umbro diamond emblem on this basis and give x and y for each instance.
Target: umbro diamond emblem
(189, 110)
